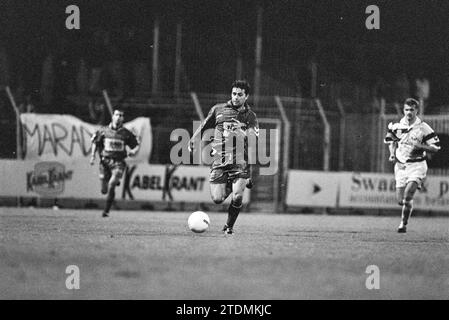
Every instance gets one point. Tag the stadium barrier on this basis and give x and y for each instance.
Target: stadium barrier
(364, 190)
(79, 180)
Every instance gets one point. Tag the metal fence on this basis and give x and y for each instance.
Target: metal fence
(353, 141)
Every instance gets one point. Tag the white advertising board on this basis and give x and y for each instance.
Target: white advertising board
(376, 190)
(312, 188)
(79, 179)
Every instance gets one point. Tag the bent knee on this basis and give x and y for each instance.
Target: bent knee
(113, 182)
(237, 199)
(408, 202)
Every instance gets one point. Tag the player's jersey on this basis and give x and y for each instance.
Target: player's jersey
(407, 136)
(112, 142)
(230, 143)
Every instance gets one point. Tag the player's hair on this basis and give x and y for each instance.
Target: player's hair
(412, 103)
(242, 84)
(118, 109)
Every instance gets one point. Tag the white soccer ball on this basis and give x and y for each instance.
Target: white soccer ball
(198, 221)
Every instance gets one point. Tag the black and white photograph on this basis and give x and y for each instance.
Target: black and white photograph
(222, 156)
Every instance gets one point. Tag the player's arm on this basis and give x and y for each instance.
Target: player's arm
(427, 148)
(430, 143)
(92, 156)
(95, 140)
(392, 148)
(208, 122)
(134, 144)
(392, 141)
(132, 152)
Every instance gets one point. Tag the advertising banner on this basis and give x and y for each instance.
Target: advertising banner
(312, 188)
(78, 179)
(54, 137)
(361, 190)
(376, 190)
(50, 179)
(170, 182)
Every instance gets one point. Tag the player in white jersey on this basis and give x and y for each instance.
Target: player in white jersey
(408, 141)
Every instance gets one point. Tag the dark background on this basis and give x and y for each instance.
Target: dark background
(52, 68)
(412, 41)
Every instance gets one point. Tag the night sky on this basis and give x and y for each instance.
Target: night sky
(416, 31)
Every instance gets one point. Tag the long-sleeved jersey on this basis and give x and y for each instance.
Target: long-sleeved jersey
(406, 136)
(230, 143)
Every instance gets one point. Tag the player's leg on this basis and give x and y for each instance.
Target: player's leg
(220, 188)
(238, 187)
(219, 192)
(400, 196)
(105, 175)
(401, 179)
(415, 173)
(117, 173)
(407, 206)
(239, 174)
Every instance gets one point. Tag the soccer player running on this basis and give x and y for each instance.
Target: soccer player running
(234, 124)
(111, 142)
(408, 141)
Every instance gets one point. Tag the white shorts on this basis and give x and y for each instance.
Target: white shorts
(410, 171)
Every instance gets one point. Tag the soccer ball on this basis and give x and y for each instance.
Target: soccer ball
(198, 221)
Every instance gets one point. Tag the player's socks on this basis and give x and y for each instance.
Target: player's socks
(104, 186)
(407, 209)
(109, 200)
(402, 227)
(233, 213)
(227, 230)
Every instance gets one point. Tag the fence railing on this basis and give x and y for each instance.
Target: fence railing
(317, 136)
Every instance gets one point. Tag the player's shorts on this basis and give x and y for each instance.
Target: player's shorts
(110, 166)
(229, 173)
(410, 171)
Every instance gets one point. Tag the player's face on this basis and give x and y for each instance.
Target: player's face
(117, 118)
(238, 97)
(410, 112)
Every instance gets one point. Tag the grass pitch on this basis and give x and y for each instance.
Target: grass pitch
(153, 255)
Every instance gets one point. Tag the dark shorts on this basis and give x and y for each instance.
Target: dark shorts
(229, 173)
(110, 166)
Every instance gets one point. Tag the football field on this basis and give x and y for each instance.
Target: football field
(153, 255)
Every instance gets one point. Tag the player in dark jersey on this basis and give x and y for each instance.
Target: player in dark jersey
(111, 142)
(233, 123)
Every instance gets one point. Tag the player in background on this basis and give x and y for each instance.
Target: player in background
(233, 121)
(111, 142)
(408, 141)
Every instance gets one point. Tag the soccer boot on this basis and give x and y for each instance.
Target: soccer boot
(105, 214)
(227, 230)
(249, 183)
(402, 227)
